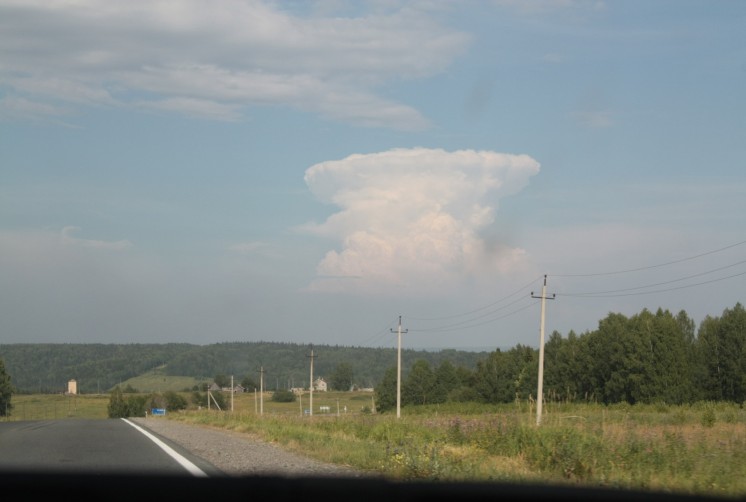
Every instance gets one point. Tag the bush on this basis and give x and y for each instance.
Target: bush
(119, 407)
(283, 396)
(175, 401)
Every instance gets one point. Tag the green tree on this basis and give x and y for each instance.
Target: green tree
(446, 382)
(217, 399)
(117, 407)
(615, 372)
(6, 392)
(419, 386)
(721, 346)
(249, 383)
(342, 377)
(668, 365)
(174, 401)
(222, 381)
(132, 406)
(642, 359)
(136, 405)
(506, 376)
(563, 369)
(385, 391)
(199, 398)
(493, 381)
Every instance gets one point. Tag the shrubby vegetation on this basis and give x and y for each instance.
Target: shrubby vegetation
(137, 405)
(283, 396)
(209, 399)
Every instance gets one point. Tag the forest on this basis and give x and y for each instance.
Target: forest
(648, 357)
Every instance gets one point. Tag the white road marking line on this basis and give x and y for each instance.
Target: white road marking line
(193, 469)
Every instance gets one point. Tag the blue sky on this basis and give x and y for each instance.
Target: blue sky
(308, 172)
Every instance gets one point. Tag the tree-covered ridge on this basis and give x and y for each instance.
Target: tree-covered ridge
(100, 367)
(46, 368)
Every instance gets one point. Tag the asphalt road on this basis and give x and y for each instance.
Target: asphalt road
(111, 446)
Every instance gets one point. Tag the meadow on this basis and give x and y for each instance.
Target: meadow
(697, 449)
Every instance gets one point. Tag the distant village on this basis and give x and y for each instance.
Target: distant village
(319, 385)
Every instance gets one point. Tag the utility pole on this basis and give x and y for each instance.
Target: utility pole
(540, 390)
(233, 391)
(310, 397)
(398, 371)
(261, 390)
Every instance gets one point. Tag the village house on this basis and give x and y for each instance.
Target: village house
(320, 385)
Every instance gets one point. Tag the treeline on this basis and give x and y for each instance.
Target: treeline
(646, 358)
(99, 368)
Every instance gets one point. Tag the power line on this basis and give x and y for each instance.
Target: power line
(651, 266)
(444, 318)
(610, 292)
(378, 335)
(657, 290)
(460, 326)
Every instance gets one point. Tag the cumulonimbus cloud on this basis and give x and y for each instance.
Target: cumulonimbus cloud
(411, 218)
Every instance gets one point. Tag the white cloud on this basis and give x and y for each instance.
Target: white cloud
(214, 59)
(411, 218)
(67, 238)
(544, 7)
(195, 108)
(12, 108)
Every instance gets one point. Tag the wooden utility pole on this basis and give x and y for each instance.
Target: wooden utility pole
(310, 397)
(261, 390)
(540, 389)
(398, 371)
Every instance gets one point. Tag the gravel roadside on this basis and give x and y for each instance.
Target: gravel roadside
(238, 454)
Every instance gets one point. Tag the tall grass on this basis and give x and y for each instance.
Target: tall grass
(695, 449)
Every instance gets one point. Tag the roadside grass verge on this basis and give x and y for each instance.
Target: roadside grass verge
(695, 449)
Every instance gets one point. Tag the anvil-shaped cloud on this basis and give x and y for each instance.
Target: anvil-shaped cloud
(410, 219)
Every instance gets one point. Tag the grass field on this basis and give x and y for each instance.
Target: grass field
(58, 406)
(695, 449)
(698, 449)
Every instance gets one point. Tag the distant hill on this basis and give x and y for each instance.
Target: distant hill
(46, 368)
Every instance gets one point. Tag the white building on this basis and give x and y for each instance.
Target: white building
(319, 384)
